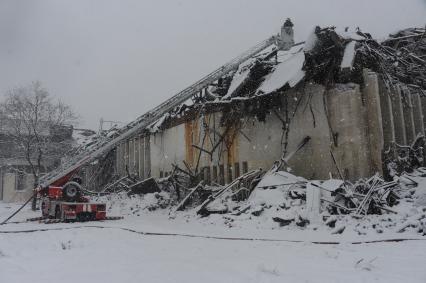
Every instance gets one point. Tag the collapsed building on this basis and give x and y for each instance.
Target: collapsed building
(340, 104)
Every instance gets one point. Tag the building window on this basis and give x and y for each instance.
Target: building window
(20, 181)
(161, 174)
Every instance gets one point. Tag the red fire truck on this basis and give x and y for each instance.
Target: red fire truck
(67, 203)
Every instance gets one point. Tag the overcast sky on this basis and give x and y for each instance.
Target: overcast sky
(118, 59)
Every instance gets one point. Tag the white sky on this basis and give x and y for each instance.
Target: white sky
(118, 59)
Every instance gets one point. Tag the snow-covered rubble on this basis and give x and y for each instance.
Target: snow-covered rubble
(124, 205)
(278, 202)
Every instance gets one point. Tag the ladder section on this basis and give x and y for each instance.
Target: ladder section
(105, 145)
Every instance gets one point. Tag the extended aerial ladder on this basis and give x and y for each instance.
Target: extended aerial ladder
(103, 146)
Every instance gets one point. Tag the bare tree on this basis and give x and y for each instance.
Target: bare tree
(33, 119)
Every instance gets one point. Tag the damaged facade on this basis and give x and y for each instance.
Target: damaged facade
(342, 91)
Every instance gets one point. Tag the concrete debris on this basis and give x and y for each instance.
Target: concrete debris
(222, 201)
(146, 186)
(400, 159)
(280, 199)
(372, 196)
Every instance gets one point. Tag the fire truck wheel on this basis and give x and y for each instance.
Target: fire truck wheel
(71, 191)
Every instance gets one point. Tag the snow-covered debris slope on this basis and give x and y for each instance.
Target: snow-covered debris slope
(240, 76)
(289, 71)
(348, 56)
(83, 137)
(279, 201)
(123, 205)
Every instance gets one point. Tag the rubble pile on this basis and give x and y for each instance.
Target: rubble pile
(399, 158)
(280, 200)
(372, 196)
(367, 206)
(400, 58)
(124, 205)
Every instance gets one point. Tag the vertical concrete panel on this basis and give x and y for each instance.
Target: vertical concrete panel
(136, 147)
(147, 154)
(117, 159)
(417, 114)
(313, 161)
(120, 159)
(1, 184)
(126, 155)
(263, 142)
(10, 194)
(398, 117)
(374, 120)
(387, 115)
(408, 115)
(191, 138)
(9, 185)
(142, 157)
(131, 157)
(423, 105)
(348, 123)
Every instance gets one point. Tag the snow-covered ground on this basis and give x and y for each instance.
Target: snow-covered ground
(202, 251)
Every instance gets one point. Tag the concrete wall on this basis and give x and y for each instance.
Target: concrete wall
(9, 187)
(354, 122)
(347, 119)
(249, 145)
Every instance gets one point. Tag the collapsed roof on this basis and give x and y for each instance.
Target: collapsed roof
(328, 56)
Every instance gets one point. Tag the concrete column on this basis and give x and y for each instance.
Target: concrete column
(408, 115)
(419, 127)
(374, 120)
(142, 157)
(131, 156)
(347, 120)
(387, 115)
(118, 157)
(398, 117)
(1, 184)
(147, 163)
(423, 105)
(136, 143)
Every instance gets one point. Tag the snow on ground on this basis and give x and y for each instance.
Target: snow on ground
(151, 244)
(114, 251)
